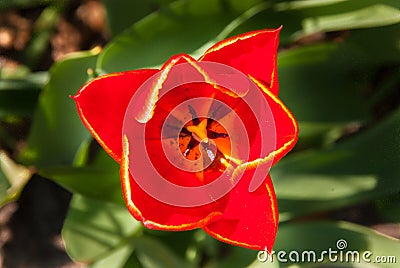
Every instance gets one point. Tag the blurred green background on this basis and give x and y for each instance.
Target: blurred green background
(339, 73)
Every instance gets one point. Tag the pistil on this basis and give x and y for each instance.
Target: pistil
(199, 132)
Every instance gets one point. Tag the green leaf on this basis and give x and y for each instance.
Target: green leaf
(18, 72)
(101, 233)
(43, 28)
(325, 85)
(238, 257)
(373, 16)
(324, 74)
(98, 179)
(57, 131)
(298, 5)
(292, 14)
(13, 178)
(142, 251)
(19, 96)
(319, 134)
(388, 208)
(362, 167)
(379, 46)
(93, 228)
(121, 257)
(183, 27)
(259, 264)
(15, 4)
(322, 236)
(121, 13)
(92, 182)
(152, 253)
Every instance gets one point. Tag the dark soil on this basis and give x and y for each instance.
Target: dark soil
(30, 229)
(80, 26)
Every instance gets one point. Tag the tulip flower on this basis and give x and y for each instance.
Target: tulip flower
(196, 139)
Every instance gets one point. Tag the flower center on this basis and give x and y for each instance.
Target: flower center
(199, 132)
(207, 138)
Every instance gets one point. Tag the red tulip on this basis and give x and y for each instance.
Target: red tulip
(195, 139)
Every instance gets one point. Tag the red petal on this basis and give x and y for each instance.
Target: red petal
(177, 59)
(286, 126)
(250, 219)
(279, 143)
(172, 173)
(153, 213)
(102, 102)
(159, 215)
(253, 53)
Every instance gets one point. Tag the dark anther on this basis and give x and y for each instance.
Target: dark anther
(193, 142)
(214, 135)
(195, 119)
(185, 131)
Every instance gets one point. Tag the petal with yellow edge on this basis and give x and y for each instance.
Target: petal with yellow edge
(253, 53)
(250, 219)
(102, 103)
(158, 215)
(206, 136)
